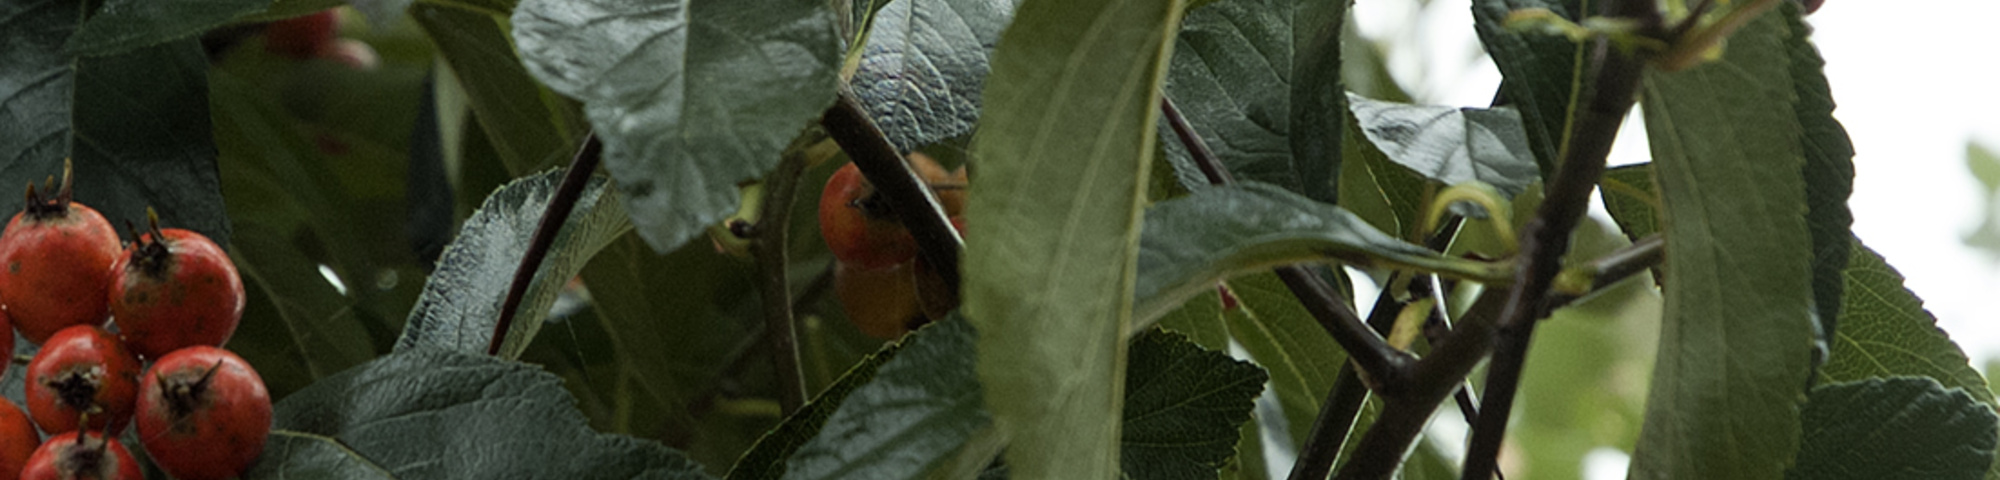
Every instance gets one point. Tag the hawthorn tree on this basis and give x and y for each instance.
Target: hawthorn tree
(1169, 204)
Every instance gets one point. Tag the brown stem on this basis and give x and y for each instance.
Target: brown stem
(913, 202)
(773, 232)
(553, 218)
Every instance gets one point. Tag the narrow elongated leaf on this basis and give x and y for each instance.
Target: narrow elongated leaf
(689, 96)
(1736, 344)
(430, 413)
(924, 64)
(1389, 195)
(1541, 73)
(143, 111)
(1183, 405)
(1193, 241)
(461, 302)
(1895, 428)
(767, 460)
(1260, 82)
(125, 25)
(1302, 360)
(1633, 199)
(921, 406)
(1063, 148)
(528, 124)
(1201, 320)
(1451, 145)
(1828, 170)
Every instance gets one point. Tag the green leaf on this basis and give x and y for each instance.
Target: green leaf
(1633, 199)
(1885, 332)
(1302, 360)
(1390, 196)
(1541, 73)
(461, 302)
(920, 407)
(1895, 428)
(1191, 242)
(143, 111)
(1828, 170)
(1200, 318)
(124, 25)
(1737, 340)
(1451, 145)
(383, 13)
(1183, 407)
(527, 124)
(1063, 152)
(1260, 82)
(924, 64)
(690, 97)
(428, 413)
(767, 460)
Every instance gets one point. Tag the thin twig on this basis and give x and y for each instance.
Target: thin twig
(1383, 364)
(773, 235)
(553, 218)
(908, 195)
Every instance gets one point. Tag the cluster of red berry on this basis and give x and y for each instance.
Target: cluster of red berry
(882, 284)
(173, 297)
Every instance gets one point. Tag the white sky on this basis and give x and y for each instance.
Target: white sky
(1914, 82)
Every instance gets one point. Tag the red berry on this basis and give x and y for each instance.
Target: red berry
(301, 37)
(82, 369)
(17, 438)
(54, 253)
(204, 414)
(880, 302)
(857, 224)
(174, 288)
(67, 456)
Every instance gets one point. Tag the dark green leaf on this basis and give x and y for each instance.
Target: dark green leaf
(920, 407)
(125, 25)
(1063, 148)
(1541, 72)
(528, 124)
(689, 96)
(1736, 343)
(429, 413)
(1894, 428)
(924, 64)
(1451, 145)
(1260, 82)
(461, 303)
(1193, 241)
(1633, 199)
(1183, 405)
(1200, 318)
(766, 460)
(383, 13)
(1829, 173)
(136, 124)
(1390, 196)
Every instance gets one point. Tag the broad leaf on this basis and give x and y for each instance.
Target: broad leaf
(924, 64)
(920, 407)
(1193, 241)
(1278, 333)
(1451, 145)
(1633, 199)
(1895, 428)
(1200, 318)
(1736, 343)
(1260, 82)
(143, 111)
(429, 413)
(1828, 171)
(1542, 73)
(689, 96)
(1885, 332)
(1389, 195)
(461, 302)
(527, 124)
(382, 14)
(1063, 152)
(1183, 407)
(125, 25)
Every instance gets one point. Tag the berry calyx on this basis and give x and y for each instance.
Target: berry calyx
(54, 252)
(83, 372)
(204, 414)
(174, 288)
(87, 456)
